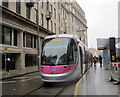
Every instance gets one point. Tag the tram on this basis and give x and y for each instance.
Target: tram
(64, 58)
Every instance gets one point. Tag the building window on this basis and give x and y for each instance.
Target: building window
(51, 25)
(5, 3)
(42, 4)
(61, 11)
(48, 5)
(15, 37)
(28, 12)
(55, 27)
(6, 35)
(72, 29)
(54, 13)
(65, 15)
(58, 4)
(47, 24)
(59, 30)
(35, 41)
(51, 8)
(61, 22)
(72, 19)
(29, 40)
(42, 19)
(59, 18)
(0, 34)
(36, 12)
(24, 40)
(30, 60)
(18, 6)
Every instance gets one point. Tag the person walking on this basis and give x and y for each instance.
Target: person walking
(94, 60)
(8, 65)
(100, 60)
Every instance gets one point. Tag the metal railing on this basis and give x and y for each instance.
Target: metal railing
(114, 68)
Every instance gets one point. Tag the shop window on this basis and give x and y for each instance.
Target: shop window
(3, 61)
(15, 37)
(6, 35)
(12, 60)
(29, 40)
(30, 60)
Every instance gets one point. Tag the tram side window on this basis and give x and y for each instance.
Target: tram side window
(73, 52)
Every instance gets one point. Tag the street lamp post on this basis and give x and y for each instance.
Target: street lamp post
(38, 33)
(48, 17)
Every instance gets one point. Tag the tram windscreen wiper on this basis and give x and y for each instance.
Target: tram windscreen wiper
(51, 64)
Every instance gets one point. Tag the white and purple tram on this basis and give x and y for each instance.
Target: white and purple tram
(64, 58)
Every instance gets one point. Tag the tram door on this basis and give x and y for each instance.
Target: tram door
(73, 53)
(81, 60)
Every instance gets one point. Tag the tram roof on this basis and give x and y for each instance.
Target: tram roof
(62, 35)
(66, 35)
(70, 36)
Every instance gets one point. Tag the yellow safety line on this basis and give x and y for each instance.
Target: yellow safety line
(76, 89)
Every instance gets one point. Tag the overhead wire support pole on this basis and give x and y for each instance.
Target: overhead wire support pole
(37, 1)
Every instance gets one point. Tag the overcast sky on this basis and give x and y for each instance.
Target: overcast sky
(102, 19)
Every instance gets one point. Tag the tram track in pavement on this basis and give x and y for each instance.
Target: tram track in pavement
(32, 91)
(47, 90)
(32, 85)
(60, 92)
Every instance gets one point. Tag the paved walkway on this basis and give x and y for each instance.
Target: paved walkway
(14, 73)
(96, 83)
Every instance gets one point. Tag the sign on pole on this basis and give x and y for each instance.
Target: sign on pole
(102, 43)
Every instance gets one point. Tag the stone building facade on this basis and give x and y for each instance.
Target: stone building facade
(19, 27)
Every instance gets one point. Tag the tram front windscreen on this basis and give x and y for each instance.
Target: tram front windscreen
(55, 51)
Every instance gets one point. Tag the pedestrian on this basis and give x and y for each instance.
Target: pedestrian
(100, 60)
(94, 60)
(8, 65)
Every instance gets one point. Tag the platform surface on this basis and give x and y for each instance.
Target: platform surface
(95, 82)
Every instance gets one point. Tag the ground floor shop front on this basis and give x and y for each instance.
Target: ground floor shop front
(16, 61)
